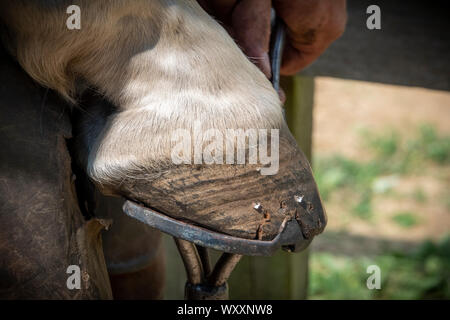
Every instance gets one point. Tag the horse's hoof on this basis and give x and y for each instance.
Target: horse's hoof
(237, 199)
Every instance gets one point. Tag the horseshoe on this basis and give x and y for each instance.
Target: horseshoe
(204, 282)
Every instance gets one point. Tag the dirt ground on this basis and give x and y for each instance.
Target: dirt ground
(341, 109)
(343, 106)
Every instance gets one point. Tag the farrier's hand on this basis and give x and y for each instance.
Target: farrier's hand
(312, 25)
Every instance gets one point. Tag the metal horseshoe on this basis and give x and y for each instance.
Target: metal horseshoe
(204, 282)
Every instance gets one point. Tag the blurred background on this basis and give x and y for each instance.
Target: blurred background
(381, 155)
(373, 115)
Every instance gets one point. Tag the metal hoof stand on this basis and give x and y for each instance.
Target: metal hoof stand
(204, 282)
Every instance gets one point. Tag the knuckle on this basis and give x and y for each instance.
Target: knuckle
(337, 26)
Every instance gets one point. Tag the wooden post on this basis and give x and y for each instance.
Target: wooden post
(299, 92)
(284, 275)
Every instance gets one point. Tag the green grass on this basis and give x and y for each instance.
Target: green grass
(405, 219)
(445, 199)
(391, 155)
(436, 148)
(419, 195)
(406, 152)
(423, 274)
(385, 145)
(363, 208)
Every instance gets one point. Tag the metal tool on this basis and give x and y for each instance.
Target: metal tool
(204, 282)
(276, 50)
